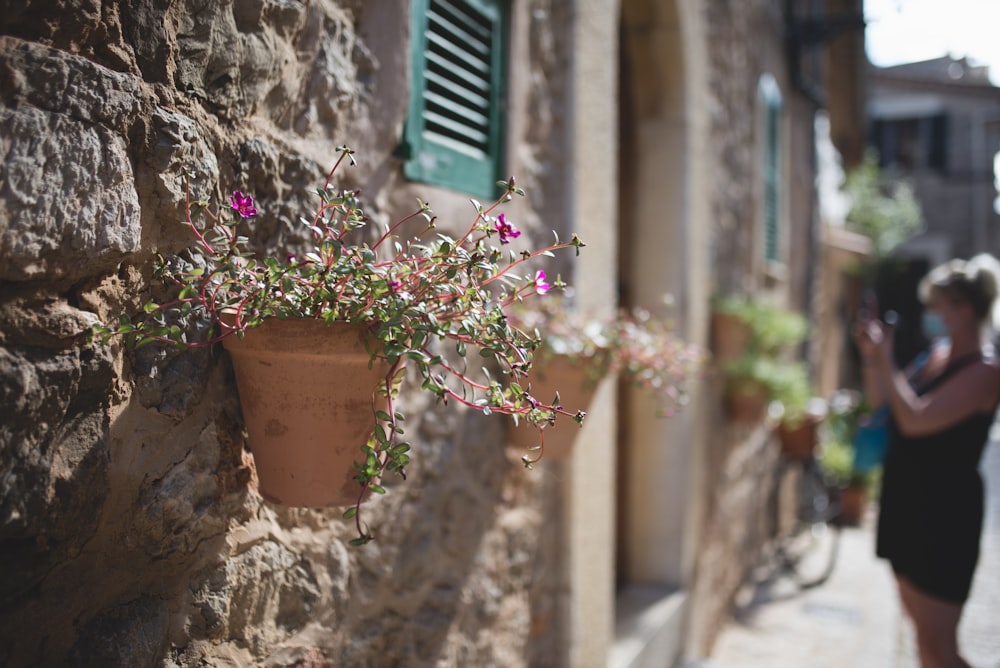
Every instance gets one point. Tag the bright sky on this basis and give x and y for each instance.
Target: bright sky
(904, 31)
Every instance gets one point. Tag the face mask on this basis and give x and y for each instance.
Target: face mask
(933, 325)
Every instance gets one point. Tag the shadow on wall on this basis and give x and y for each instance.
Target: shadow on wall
(468, 505)
(151, 500)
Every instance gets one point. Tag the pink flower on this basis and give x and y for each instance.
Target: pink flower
(242, 204)
(506, 230)
(541, 287)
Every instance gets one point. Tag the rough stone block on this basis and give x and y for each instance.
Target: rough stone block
(53, 459)
(133, 634)
(68, 205)
(69, 85)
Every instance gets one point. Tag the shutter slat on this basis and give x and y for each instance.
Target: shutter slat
(443, 69)
(470, 115)
(477, 97)
(449, 51)
(453, 128)
(470, 21)
(477, 43)
(457, 146)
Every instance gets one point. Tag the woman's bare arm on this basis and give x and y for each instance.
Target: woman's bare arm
(971, 390)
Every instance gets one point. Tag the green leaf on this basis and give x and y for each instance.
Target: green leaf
(417, 355)
(145, 341)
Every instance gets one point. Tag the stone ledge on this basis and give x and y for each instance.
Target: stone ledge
(649, 621)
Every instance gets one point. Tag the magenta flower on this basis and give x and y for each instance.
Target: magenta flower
(541, 287)
(242, 204)
(506, 230)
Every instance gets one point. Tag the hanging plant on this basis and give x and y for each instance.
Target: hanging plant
(423, 299)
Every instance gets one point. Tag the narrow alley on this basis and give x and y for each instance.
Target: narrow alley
(854, 619)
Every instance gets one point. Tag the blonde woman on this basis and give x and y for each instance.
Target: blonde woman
(931, 509)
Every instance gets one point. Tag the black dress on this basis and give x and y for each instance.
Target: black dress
(931, 509)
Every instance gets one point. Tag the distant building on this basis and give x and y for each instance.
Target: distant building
(937, 124)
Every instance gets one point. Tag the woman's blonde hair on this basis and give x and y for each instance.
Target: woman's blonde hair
(974, 281)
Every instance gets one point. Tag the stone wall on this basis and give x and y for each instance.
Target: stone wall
(130, 529)
(744, 41)
(741, 466)
(734, 71)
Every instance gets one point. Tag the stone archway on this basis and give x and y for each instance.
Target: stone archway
(663, 267)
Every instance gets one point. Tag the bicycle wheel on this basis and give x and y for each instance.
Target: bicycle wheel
(804, 512)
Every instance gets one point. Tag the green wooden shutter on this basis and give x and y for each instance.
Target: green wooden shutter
(453, 132)
(772, 168)
(771, 183)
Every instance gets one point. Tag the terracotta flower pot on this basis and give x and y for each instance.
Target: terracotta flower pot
(307, 396)
(746, 403)
(730, 337)
(799, 440)
(576, 387)
(853, 500)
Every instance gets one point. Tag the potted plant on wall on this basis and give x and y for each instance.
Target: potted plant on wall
(650, 355)
(577, 352)
(777, 330)
(751, 384)
(730, 327)
(801, 414)
(839, 458)
(420, 302)
(764, 372)
(853, 487)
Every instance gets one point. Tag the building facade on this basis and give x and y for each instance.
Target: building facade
(936, 124)
(676, 138)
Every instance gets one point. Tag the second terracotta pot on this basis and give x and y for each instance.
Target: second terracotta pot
(571, 378)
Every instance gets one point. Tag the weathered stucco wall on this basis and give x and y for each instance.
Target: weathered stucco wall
(130, 529)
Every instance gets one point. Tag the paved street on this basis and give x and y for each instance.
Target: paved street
(979, 634)
(854, 620)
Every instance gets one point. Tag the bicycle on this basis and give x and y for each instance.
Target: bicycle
(805, 525)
